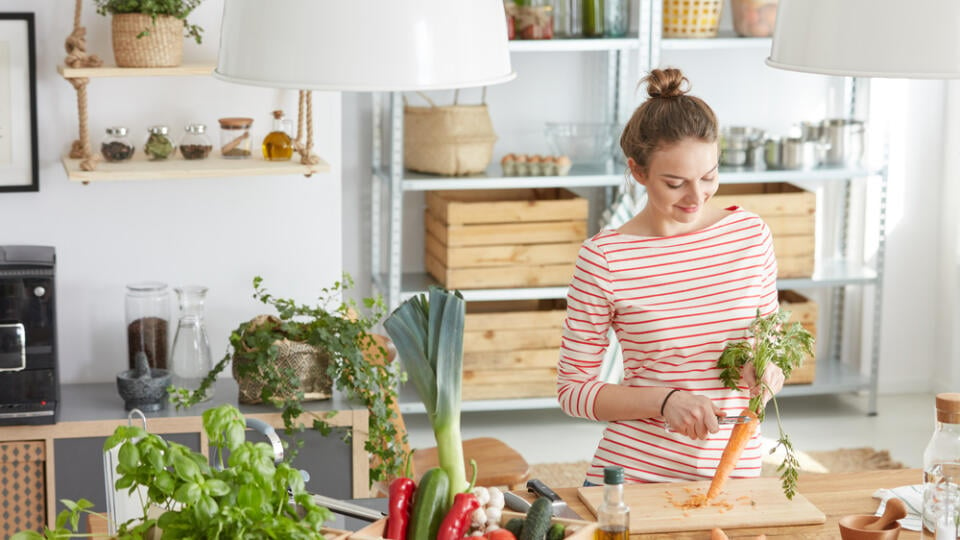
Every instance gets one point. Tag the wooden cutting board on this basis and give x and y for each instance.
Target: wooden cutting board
(748, 502)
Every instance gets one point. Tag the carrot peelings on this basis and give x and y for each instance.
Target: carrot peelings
(769, 340)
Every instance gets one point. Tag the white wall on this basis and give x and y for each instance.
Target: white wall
(743, 91)
(216, 232)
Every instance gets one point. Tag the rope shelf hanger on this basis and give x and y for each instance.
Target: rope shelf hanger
(77, 57)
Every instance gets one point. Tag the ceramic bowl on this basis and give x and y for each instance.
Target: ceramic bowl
(850, 528)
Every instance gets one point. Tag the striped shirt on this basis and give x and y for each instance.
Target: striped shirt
(674, 303)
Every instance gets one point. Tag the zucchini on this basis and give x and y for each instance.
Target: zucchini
(537, 522)
(557, 531)
(515, 525)
(429, 505)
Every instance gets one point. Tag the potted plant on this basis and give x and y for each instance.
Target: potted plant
(245, 496)
(338, 335)
(149, 33)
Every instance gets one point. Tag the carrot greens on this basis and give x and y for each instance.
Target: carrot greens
(769, 340)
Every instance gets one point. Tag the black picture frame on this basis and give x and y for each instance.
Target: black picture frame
(19, 165)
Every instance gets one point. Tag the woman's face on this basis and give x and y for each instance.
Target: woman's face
(679, 180)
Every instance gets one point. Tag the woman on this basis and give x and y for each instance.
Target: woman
(676, 283)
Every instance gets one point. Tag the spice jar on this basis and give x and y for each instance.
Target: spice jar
(147, 308)
(195, 144)
(158, 145)
(116, 145)
(235, 142)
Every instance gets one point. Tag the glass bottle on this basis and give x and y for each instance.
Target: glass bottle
(147, 308)
(158, 145)
(592, 18)
(278, 144)
(191, 356)
(195, 144)
(613, 515)
(941, 472)
(235, 137)
(617, 17)
(116, 146)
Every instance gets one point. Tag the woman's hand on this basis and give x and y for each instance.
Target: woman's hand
(771, 383)
(691, 414)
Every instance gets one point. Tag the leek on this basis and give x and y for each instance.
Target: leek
(428, 334)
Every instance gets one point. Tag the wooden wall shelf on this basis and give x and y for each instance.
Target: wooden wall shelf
(139, 168)
(185, 70)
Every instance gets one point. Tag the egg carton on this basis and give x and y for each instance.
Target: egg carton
(535, 165)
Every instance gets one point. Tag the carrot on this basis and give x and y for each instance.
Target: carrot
(739, 437)
(718, 534)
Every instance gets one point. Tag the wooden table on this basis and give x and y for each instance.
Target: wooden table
(836, 495)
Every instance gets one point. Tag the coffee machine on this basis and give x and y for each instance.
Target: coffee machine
(29, 381)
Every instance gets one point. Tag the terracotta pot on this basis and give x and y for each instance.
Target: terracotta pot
(161, 46)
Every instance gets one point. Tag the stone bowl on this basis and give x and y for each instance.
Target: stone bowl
(851, 528)
(148, 393)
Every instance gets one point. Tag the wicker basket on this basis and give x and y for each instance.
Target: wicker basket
(308, 362)
(161, 47)
(452, 140)
(691, 18)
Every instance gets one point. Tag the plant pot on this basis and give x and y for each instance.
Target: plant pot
(162, 46)
(306, 362)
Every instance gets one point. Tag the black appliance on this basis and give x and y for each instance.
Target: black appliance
(29, 382)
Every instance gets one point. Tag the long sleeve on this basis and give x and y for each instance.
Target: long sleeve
(584, 336)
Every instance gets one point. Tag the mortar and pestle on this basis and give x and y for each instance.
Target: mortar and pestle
(143, 387)
(870, 527)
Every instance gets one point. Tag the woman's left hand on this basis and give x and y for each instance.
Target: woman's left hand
(771, 383)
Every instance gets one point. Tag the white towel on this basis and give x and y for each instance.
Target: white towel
(912, 497)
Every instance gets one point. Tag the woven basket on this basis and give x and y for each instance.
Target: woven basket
(308, 362)
(162, 47)
(452, 140)
(691, 18)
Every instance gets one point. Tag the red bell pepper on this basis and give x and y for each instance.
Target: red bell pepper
(454, 524)
(401, 497)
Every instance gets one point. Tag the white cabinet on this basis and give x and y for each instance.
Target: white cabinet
(840, 274)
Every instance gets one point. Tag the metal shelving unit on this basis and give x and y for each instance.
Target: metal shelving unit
(837, 273)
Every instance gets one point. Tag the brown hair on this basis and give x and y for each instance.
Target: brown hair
(669, 115)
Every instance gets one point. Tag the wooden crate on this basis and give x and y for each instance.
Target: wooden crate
(790, 211)
(503, 238)
(804, 311)
(511, 348)
(581, 530)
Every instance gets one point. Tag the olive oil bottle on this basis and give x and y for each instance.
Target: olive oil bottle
(613, 515)
(278, 145)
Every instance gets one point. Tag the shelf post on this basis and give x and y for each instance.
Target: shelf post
(77, 57)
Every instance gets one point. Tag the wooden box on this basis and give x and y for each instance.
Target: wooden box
(511, 348)
(23, 485)
(503, 238)
(790, 212)
(584, 530)
(804, 311)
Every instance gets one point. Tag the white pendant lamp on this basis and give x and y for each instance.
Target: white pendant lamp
(868, 38)
(364, 45)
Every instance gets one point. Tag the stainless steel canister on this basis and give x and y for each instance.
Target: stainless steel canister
(739, 146)
(792, 153)
(845, 137)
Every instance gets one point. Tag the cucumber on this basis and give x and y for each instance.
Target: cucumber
(537, 522)
(515, 525)
(429, 505)
(557, 531)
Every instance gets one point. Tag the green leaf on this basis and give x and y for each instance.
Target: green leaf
(185, 468)
(217, 488)
(188, 493)
(129, 455)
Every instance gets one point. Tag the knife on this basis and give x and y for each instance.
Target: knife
(515, 502)
(348, 509)
(560, 508)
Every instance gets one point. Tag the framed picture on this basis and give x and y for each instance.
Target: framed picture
(18, 103)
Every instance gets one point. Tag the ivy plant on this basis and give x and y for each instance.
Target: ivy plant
(337, 326)
(154, 8)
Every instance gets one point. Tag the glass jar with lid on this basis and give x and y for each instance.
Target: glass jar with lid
(195, 144)
(235, 142)
(116, 146)
(158, 145)
(147, 308)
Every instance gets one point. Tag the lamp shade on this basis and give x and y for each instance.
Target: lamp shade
(868, 38)
(364, 45)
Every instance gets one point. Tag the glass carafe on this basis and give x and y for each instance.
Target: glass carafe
(191, 358)
(941, 472)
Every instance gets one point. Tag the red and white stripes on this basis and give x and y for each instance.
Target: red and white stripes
(674, 303)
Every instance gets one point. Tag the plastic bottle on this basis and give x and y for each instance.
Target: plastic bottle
(941, 472)
(613, 515)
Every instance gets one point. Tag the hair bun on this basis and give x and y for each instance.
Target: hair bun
(666, 83)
